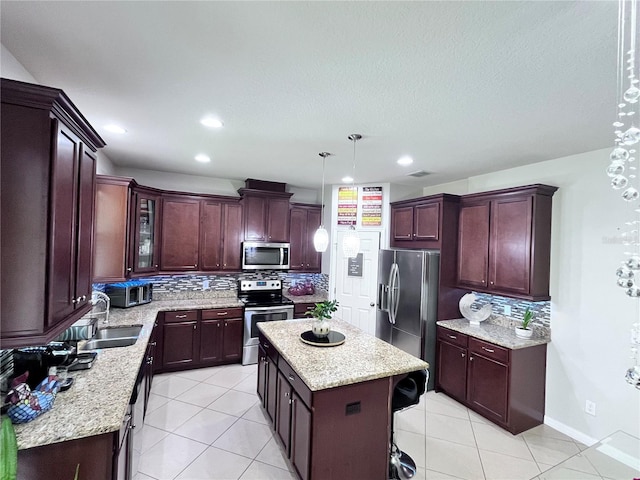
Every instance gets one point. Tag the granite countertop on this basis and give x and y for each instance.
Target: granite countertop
(319, 296)
(98, 399)
(360, 358)
(499, 331)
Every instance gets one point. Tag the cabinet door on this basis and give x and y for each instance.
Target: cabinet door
(263, 373)
(283, 423)
(180, 344)
(211, 336)
(487, 389)
(146, 231)
(300, 436)
(452, 370)
(313, 258)
(232, 339)
(232, 237)
(298, 238)
(86, 191)
(64, 188)
(510, 247)
(211, 241)
(473, 245)
(255, 215)
(111, 229)
(180, 234)
(402, 223)
(272, 381)
(426, 223)
(278, 220)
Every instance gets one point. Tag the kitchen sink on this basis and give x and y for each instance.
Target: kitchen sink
(118, 332)
(109, 343)
(112, 337)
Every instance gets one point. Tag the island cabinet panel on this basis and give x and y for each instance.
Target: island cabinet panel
(180, 233)
(111, 229)
(506, 386)
(266, 215)
(48, 153)
(504, 243)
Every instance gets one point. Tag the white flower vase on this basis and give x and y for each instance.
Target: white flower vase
(320, 328)
(524, 332)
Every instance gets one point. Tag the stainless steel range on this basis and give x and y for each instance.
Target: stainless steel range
(263, 302)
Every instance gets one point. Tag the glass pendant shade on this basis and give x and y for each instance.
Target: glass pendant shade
(321, 239)
(351, 243)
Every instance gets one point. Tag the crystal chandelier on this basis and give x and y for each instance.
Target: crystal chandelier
(321, 237)
(351, 240)
(622, 170)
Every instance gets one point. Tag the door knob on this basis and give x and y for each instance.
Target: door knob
(372, 304)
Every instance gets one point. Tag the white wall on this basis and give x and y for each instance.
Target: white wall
(591, 317)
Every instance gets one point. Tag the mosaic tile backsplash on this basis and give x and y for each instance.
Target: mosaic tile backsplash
(541, 310)
(170, 285)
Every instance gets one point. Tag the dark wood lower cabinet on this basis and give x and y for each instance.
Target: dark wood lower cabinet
(201, 338)
(503, 385)
(331, 434)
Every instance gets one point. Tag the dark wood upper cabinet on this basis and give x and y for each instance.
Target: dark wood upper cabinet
(221, 235)
(111, 229)
(504, 242)
(423, 222)
(145, 228)
(180, 233)
(305, 220)
(266, 215)
(47, 199)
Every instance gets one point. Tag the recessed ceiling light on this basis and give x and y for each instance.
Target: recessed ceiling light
(347, 180)
(201, 157)
(212, 122)
(114, 128)
(404, 161)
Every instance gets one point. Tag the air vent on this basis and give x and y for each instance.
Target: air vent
(418, 174)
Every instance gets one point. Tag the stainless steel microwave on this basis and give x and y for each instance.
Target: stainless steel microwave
(129, 294)
(265, 256)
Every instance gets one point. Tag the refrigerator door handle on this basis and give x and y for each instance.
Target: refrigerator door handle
(393, 293)
(383, 304)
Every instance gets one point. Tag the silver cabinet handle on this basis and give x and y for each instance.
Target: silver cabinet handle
(451, 336)
(73, 301)
(462, 354)
(291, 378)
(286, 394)
(222, 314)
(181, 316)
(488, 349)
(129, 269)
(84, 297)
(470, 359)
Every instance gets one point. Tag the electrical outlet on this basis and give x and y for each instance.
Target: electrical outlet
(590, 407)
(205, 284)
(507, 310)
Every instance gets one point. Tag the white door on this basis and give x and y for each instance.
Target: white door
(357, 295)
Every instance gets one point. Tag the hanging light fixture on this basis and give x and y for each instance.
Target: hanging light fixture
(321, 237)
(623, 169)
(351, 240)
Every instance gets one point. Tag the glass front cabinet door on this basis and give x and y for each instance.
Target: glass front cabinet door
(145, 256)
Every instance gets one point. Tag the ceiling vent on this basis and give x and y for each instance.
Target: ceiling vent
(418, 174)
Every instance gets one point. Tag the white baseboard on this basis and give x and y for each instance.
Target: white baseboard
(571, 432)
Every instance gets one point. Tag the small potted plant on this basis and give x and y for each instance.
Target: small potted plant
(523, 330)
(322, 313)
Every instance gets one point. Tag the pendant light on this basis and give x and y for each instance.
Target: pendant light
(351, 240)
(321, 237)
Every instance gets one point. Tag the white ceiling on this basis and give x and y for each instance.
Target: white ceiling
(463, 87)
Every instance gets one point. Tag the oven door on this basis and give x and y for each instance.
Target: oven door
(253, 315)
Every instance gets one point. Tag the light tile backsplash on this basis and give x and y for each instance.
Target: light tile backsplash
(193, 284)
(541, 310)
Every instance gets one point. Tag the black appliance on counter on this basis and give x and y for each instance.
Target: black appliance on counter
(129, 294)
(263, 302)
(38, 360)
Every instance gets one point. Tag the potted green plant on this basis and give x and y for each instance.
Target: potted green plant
(523, 329)
(322, 313)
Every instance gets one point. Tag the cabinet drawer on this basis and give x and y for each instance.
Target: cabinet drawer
(489, 350)
(181, 316)
(452, 336)
(296, 382)
(269, 349)
(216, 313)
(299, 309)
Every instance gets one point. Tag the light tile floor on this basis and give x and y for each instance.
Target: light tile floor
(207, 424)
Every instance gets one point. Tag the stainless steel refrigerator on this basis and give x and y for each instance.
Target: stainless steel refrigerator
(407, 304)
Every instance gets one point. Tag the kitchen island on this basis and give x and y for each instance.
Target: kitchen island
(331, 406)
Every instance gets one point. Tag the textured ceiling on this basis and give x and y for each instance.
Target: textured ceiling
(463, 87)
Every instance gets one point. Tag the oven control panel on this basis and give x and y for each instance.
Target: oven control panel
(260, 285)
